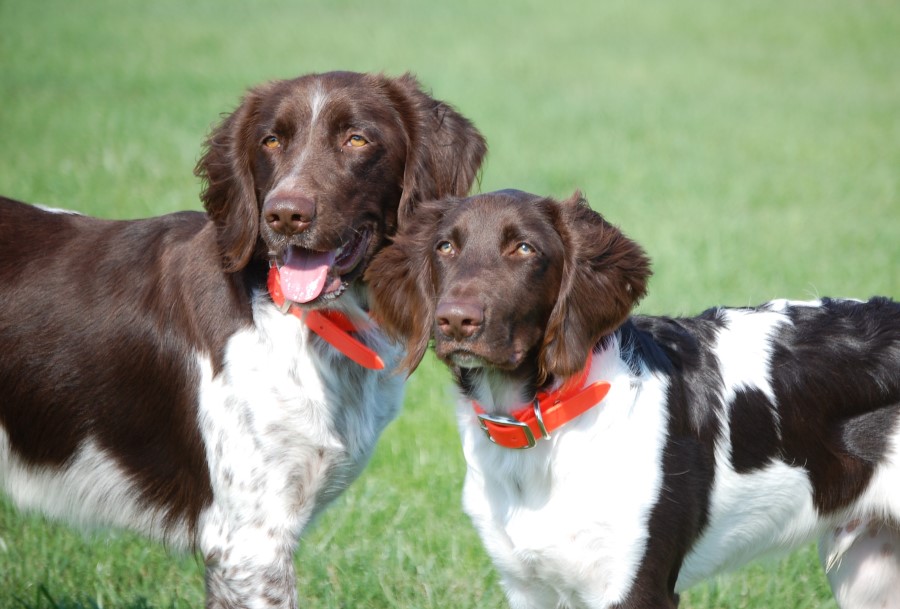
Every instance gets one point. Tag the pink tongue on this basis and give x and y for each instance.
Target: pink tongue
(304, 273)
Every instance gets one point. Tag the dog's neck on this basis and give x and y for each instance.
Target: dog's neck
(503, 391)
(333, 325)
(496, 391)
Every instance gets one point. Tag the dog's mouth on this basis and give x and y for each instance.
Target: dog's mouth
(309, 275)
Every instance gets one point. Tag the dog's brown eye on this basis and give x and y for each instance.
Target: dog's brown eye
(357, 141)
(271, 142)
(523, 249)
(445, 248)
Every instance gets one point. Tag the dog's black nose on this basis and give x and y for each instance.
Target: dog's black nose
(459, 319)
(289, 215)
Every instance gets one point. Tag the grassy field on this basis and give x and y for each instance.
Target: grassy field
(752, 147)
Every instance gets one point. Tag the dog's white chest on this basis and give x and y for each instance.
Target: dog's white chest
(286, 432)
(564, 521)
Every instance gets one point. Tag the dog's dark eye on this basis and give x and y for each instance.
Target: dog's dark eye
(357, 141)
(523, 249)
(445, 248)
(271, 142)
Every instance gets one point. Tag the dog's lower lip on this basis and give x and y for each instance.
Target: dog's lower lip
(466, 359)
(465, 356)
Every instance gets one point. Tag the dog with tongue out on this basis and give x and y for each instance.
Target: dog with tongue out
(160, 386)
(306, 181)
(332, 165)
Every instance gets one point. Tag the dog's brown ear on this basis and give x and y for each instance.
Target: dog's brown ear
(604, 276)
(444, 149)
(229, 194)
(401, 283)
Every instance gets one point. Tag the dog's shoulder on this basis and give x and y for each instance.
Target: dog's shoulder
(669, 344)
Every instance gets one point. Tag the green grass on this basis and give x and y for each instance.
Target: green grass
(752, 147)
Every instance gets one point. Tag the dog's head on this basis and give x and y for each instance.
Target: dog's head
(314, 173)
(507, 280)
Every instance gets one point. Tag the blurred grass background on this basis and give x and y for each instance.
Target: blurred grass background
(752, 147)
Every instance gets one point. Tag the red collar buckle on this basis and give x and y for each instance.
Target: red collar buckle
(509, 432)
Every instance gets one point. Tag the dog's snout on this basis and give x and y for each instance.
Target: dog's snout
(289, 215)
(459, 319)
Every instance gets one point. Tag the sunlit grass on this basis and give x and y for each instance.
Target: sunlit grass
(751, 147)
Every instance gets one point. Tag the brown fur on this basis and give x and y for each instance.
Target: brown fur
(581, 285)
(102, 323)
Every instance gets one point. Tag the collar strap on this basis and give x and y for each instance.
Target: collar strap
(332, 326)
(548, 412)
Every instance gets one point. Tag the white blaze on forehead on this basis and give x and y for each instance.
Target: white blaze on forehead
(317, 98)
(316, 101)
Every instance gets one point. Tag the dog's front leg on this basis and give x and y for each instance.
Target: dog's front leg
(238, 584)
(249, 567)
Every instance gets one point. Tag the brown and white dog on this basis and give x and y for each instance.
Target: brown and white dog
(662, 451)
(147, 378)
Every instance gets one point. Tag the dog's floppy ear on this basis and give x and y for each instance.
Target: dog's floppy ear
(444, 149)
(401, 283)
(229, 192)
(605, 274)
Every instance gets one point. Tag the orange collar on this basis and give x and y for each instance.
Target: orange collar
(333, 326)
(548, 412)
